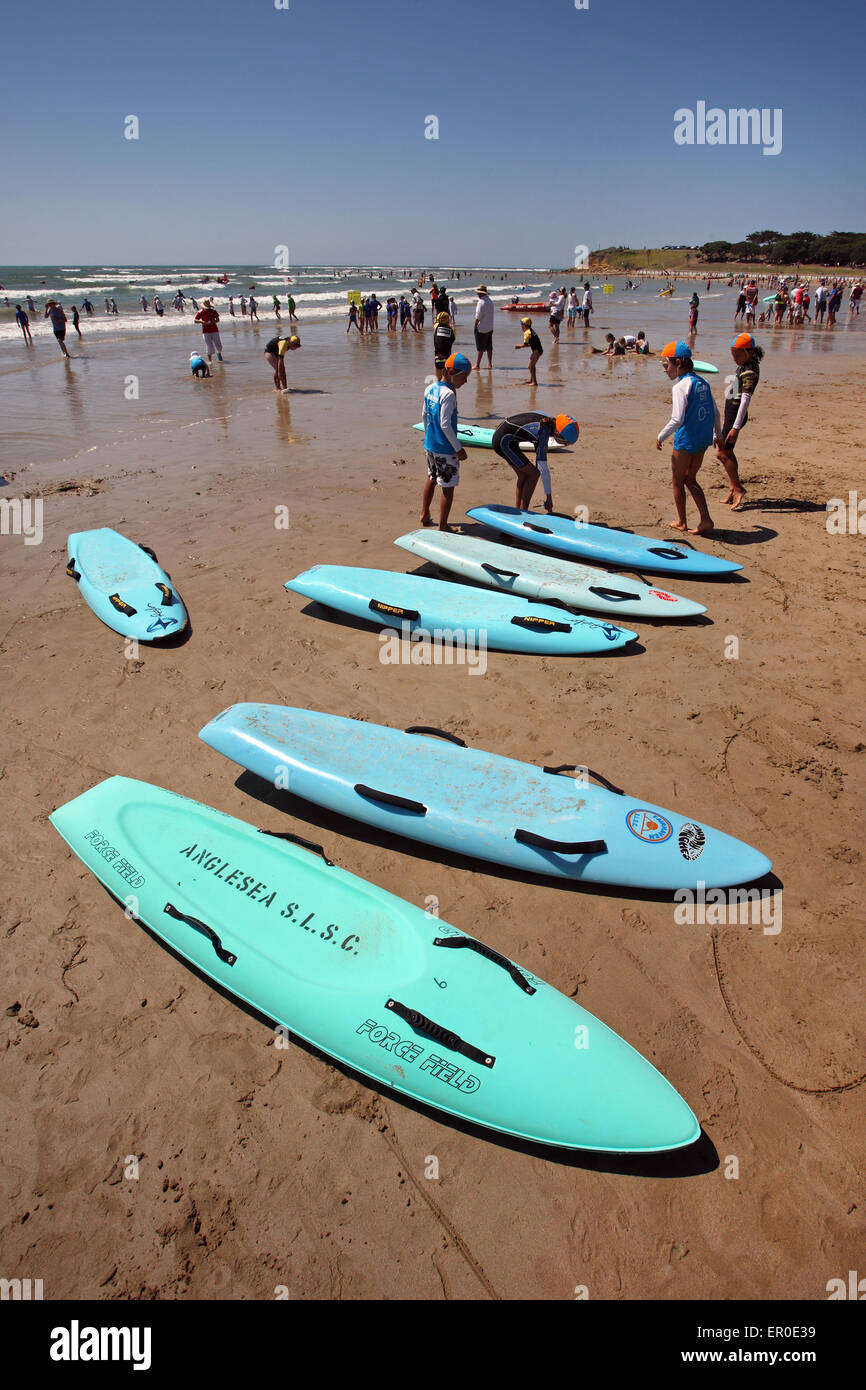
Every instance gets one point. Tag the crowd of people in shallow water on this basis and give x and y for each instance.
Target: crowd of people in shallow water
(523, 439)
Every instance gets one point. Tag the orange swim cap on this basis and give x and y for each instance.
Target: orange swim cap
(567, 428)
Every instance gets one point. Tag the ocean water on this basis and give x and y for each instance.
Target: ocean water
(321, 290)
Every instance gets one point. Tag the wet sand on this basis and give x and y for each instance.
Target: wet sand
(262, 1167)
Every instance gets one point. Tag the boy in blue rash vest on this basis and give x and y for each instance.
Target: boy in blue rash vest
(532, 425)
(440, 438)
(694, 424)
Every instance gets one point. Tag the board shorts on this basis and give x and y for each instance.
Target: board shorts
(443, 469)
(484, 341)
(572, 314)
(60, 334)
(212, 342)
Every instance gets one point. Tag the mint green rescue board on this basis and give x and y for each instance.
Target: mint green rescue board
(374, 982)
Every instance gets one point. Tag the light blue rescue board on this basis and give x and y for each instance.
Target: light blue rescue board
(603, 544)
(457, 613)
(124, 585)
(427, 785)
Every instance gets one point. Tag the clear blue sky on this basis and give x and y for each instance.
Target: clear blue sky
(306, 126)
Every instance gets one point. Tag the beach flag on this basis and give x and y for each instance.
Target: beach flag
(608, 289)
(354, 297)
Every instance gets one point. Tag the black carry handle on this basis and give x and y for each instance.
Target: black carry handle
(438, 733)
(391, 799)
(422, 1024)
(298, 840)
(531, 526)
(121, 605)
(470, 944)
(393, 610)
(167, 595)
(615, 595)
(540, 624)
(71, 570)
(576, 767)
(147, 550)
(228, 957)
(506, 574)
(528, 837)
(667, 553)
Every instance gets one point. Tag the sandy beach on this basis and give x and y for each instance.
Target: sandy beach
(262, 1166)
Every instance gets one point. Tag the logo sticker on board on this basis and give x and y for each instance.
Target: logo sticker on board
(660, 593)
(649, 826)
(611, 632)
(159, 622)
(691, 841)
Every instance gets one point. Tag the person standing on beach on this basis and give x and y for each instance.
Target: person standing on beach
(738, 395)
(75, 320)
(694, 305)
(532, 341)
(572, 307)
(30, 305)
(353, 316)
(277, 307)
(254, 314)
(694, 424)
(114, 308)
(54, 312)
(443, 342)
(22, 318)
(444, 454)
(275, 352)
(751, 303)
(406, 315)
(834, 299)
(587, 303)
(538, 429)
(452, 310)
(740, 307)
(293, 318)
(557, 308)
(143, 302)
(157, 306)
(484, 320)
(243, 306)
(87, 307)
(209, 319)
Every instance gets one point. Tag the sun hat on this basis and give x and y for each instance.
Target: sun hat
(481, 289)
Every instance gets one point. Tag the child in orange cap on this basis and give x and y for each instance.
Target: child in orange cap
(695, 421)
(738, 394)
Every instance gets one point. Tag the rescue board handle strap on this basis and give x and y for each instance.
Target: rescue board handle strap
(470, 944)
(422, 1024)
(575, 767)
(438, 733)
(391, 799)
(299, 840)
(228, 957)
(529, 837)
(494, 569)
